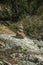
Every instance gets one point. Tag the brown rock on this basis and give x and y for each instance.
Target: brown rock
(20, 35)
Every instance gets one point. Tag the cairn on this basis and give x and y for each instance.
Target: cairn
(20, 33)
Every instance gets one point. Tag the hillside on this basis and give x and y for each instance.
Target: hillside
(29, 12)
(21, 32)
(5, 30)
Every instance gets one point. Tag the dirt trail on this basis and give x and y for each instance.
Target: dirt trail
(5, 30)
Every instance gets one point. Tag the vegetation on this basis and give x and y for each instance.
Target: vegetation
(17, 9)
(33, 26)
(27, 11)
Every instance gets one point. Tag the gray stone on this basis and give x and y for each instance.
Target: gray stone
(25, 51)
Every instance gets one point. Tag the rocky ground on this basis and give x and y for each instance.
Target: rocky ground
(16, 51)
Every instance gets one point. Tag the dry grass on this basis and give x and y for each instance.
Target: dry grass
(5, 30)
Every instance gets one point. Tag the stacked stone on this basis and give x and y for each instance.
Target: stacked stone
(20, 33)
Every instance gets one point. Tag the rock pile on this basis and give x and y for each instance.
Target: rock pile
(20, 33)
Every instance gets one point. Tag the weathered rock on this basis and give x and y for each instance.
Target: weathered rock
(24, 51)
(13, 42)
(39, 43)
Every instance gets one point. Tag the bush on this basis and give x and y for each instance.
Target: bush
(13, 27)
